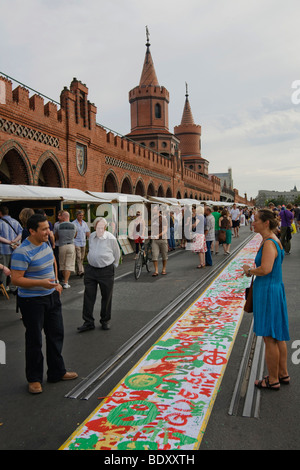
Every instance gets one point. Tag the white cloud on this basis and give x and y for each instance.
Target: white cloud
(239, 58)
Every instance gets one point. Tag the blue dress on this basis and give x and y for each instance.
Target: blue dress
(269, 300)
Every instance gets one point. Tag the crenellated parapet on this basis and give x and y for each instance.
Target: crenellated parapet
(18, 102)
(151, 91)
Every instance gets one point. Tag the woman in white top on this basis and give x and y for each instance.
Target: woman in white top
(199, 242)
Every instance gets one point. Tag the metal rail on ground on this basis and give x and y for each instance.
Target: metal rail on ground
(101, 374)
(251, 368)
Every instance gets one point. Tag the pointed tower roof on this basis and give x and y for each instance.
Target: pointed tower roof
(187, 116)
(148, 76)
(189, 135)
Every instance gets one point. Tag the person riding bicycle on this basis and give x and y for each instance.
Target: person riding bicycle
(138, 232)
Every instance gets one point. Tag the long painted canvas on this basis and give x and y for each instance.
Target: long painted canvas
(165, 401)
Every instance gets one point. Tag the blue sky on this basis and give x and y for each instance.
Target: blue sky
(239, 59)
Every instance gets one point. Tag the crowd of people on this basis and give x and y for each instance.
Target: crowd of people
(201, 229)
(34, 264)
(38, 259)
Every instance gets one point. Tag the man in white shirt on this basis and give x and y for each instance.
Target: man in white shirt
(235, 216)
(103, 257)
(83, 232)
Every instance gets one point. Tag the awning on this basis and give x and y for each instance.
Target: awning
(119, 197)
(187, 201)
(10, 192)
(164, 200)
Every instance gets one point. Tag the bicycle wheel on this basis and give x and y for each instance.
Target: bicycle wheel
(147, 262)
(138, 265)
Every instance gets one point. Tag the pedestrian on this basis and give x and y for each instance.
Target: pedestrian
(177, 226)
(5, 270)
(235, 216)
(171, 240)
(56, 247)
(10, 236)
(269, 301)
(216, 214)
(251, 219)
(159, 230)
(103, 257)
(225, 224)
(186, 223)
(209, 232)
(296, 216)
(24, 215)
(286, 217)
(138, 233)
(199, 242)
(32, 270)
(82, 234)
(65, 233)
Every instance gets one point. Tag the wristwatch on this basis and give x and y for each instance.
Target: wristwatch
(249, 274)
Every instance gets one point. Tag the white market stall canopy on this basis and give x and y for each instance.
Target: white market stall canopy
(9, 192)
(187, 201)
(119, 197)
(169, 201)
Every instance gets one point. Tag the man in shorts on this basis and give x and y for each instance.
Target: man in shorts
(65, 233)
(159, 235)
(235, 217)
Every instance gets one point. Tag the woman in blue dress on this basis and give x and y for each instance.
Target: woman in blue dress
(269, 301)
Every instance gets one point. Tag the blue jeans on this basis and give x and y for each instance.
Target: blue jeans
(171, 240)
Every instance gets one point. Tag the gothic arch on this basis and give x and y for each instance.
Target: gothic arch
(160, 191)
(110, 182)
(15, 166)
(169, 192)
(140, 188)
(126, 185)
(151, 189)
(48, 171)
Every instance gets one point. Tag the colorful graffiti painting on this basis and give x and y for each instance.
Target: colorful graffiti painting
(165, 401)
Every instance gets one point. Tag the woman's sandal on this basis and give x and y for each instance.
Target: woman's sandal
(285, 380)
(267, 385)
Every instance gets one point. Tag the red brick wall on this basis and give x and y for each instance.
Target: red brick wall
(75, 122)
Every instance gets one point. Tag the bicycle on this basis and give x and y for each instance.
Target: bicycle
(143, 259)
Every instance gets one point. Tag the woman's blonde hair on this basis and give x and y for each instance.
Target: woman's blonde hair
(25, 214)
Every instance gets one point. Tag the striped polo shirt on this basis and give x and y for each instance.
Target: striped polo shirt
(37, 262)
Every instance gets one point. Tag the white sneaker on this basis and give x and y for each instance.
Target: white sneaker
(66, 285)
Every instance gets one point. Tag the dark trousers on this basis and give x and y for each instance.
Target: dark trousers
(104, 278)
(285, 239)
(43, 313)
(208, 258)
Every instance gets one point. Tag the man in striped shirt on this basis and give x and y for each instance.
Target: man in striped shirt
(32, 270)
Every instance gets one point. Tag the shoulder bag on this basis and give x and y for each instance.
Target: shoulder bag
(248, 307)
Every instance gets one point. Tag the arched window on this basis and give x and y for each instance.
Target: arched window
(158, 111)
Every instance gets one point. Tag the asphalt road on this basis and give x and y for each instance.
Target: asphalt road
(45, 421)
